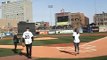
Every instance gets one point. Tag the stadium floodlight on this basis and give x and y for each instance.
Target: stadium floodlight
(50, 7)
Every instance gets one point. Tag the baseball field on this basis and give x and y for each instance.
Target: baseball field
(59, 47)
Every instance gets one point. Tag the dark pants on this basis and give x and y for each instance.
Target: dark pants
(76, 45)
(15, 46)
(29, 50)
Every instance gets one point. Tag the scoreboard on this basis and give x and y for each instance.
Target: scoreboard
(22, 27)
(62, 20)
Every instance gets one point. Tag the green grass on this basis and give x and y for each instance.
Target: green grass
(61, 39)
(7, 52)
(95, 58)
(66, 39)
(6, 42)
(89, 38)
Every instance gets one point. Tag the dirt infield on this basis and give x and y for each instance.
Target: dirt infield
(45, 38)
(91, 49)
(63, 45)
(87, 50)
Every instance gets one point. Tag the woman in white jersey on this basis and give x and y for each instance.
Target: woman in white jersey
(76, 41)
(27, 35)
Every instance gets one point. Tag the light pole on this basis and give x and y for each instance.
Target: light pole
(50, 7)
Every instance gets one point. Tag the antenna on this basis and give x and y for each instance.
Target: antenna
(62, 10)
(95, 5)
(94, 11)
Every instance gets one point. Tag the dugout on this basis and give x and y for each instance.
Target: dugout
(22, 27)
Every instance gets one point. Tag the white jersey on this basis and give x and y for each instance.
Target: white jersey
(74, 33)
(27, 35)
(76, 38)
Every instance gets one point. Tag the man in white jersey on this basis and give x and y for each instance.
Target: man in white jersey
(28, 38)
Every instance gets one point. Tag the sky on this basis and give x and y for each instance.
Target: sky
(41, 11)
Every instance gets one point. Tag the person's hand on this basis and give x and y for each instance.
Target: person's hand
(23, 44)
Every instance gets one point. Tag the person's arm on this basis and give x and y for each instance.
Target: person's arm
(23, 40)
(14, 38)
(32, 38)
(73, 37)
